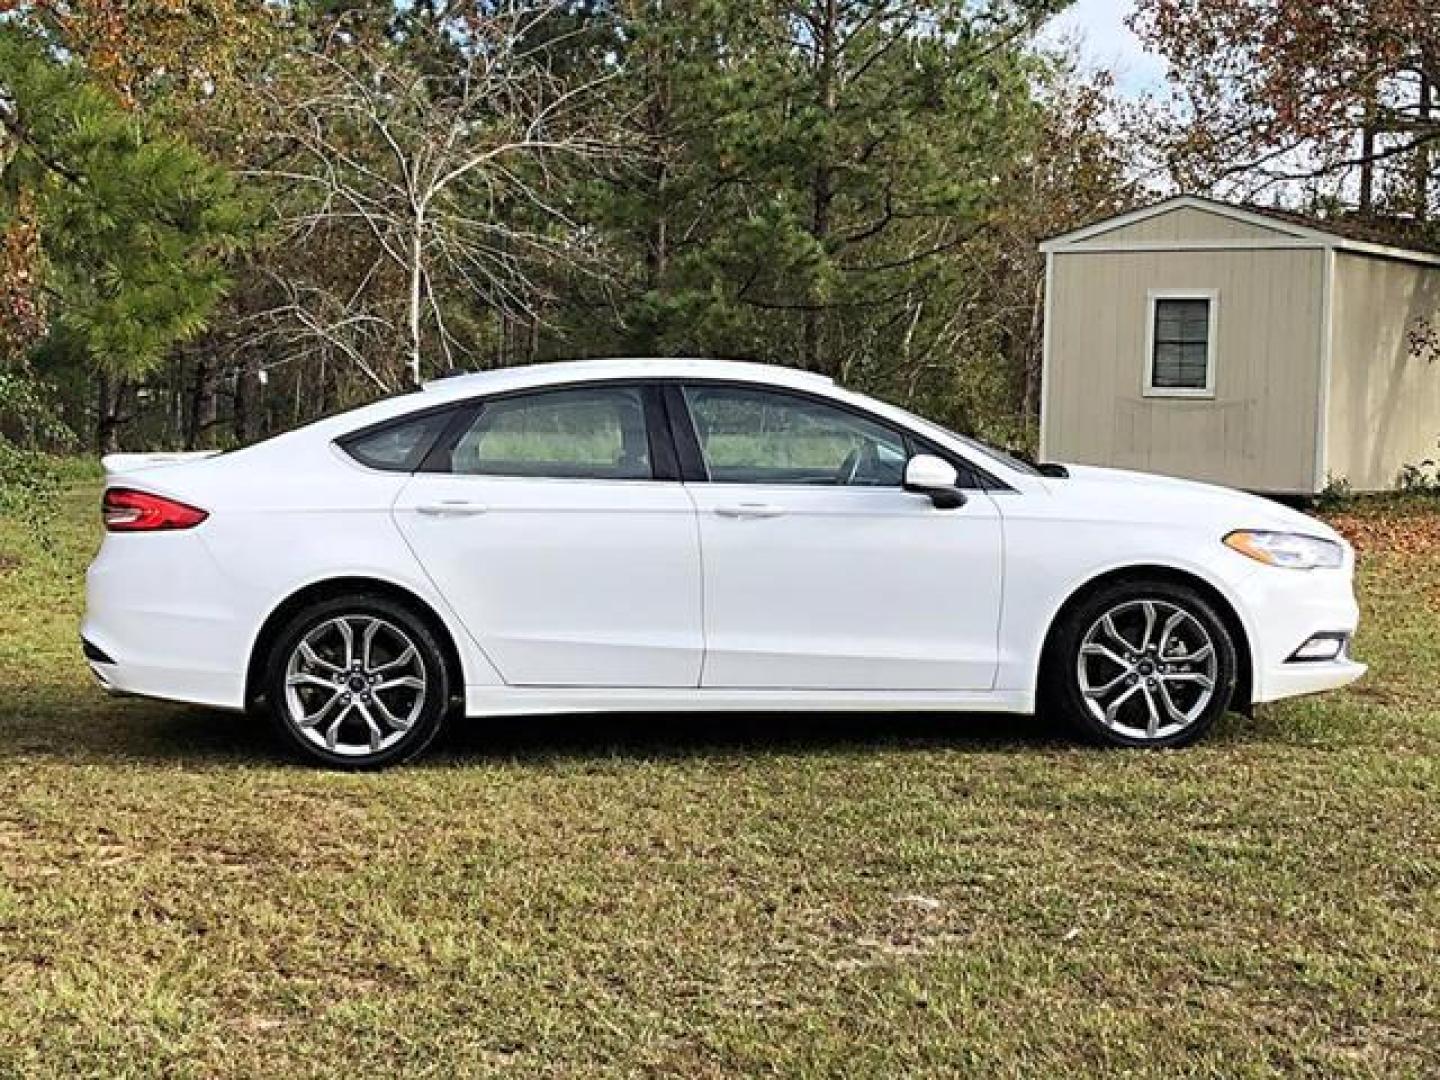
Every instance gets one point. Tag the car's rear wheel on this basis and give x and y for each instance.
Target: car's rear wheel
(1141, 664)
(357, 683)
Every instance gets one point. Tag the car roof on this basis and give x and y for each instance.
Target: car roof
(520, 378)
(456, 388)
(444, 391)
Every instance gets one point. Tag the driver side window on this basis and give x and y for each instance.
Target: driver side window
(754, 436)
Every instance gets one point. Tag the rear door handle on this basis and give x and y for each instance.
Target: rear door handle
(750, 510)
(451, 508)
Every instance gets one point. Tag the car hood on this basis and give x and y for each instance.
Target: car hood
(1119, 493)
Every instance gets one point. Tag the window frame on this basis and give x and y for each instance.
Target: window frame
(418, 456)
(663, 467)
(1152, 309)
(674, 449)
(970, 477)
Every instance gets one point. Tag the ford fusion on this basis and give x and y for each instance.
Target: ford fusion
(692, 535)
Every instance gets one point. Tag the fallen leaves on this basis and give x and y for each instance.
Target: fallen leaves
(1408, 532)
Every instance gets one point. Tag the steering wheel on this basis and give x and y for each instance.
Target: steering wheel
(863, 457)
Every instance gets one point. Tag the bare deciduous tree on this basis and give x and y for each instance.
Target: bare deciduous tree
(441, 161)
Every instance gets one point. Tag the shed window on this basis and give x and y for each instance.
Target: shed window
(1181, 345)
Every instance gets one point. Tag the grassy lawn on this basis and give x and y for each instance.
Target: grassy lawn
(707, 897)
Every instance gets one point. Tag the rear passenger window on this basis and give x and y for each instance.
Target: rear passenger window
(399, 446)
(579, 434)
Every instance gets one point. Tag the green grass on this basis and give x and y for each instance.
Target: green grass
(705, 897)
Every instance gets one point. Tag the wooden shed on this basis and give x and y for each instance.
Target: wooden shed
(1248, 347)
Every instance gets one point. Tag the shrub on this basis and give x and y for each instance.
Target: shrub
(31, 434)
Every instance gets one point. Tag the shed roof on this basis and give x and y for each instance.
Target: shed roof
(1366, 237)
(1398, 233)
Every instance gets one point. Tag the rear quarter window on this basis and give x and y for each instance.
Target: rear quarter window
(399, 445)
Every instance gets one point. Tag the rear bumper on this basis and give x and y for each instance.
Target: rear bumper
(1288, 607)
(166, 684)
(157, 624)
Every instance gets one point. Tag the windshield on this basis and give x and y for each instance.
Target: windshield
(984, 449)
(1004, 457)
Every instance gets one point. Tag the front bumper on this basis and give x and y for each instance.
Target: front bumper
(1285, 608)
(1299, 678)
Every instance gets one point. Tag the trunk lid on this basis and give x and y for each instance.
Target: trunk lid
(129, 464)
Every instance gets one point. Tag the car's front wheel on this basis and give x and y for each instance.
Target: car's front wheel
(357, 683)
(1141, 664)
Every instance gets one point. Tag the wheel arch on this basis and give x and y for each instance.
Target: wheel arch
(350, 585)
(1243, 696)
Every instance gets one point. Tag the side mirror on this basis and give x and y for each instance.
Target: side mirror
(926, 474)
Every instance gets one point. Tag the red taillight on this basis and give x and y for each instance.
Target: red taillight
(127, 510)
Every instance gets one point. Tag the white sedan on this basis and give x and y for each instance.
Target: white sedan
(692, 535)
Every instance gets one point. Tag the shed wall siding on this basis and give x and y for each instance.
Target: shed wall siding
(1384, 404)
(1186, 223)
(1259, 430)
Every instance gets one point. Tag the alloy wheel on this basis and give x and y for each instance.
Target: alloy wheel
(1147, 669)
(355, 685)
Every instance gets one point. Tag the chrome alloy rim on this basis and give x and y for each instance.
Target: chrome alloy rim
(355, 685)
(1147, 669)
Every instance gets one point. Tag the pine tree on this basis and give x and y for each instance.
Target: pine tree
(134, 224)
(812, 167)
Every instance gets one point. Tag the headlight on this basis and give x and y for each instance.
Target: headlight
(1294, 551)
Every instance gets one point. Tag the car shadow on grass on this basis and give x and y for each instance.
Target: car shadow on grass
(687, 734)
(79, 722)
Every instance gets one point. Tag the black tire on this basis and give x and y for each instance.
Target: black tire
(429, 664)
(1062, 695)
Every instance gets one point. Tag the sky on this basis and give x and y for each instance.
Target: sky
(1107, 42)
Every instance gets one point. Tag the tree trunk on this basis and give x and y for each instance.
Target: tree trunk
(175, 403)
(203, 404)
(1034, 359)
(822, 186)
(109, 393)
(657, 248)
(657, 243)
(247, 399)
(1422, 154)
(1367, 170)
(417, 269)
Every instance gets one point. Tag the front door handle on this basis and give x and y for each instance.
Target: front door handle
(750, 510)
(451, 508)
